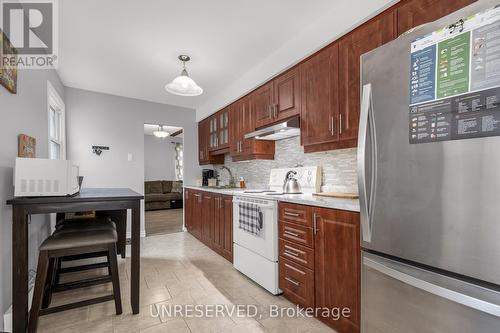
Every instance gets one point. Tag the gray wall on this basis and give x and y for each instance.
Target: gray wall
(338, 166)
(25, 112)
(159, 158)
(118, 122)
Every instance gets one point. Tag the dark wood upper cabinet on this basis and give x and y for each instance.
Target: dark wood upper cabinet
(277, 100)
(219, 131)
(261, 102)
(223, 133)
(337, 266)
(330, 86)
(203, 142)
(413, 13)
(324, 89)
(367, 37)
(242, 123)
(213, 136)
(205, 156)
(319, 92)
(247, 119)
(242, 149)
(286, 92)
(235, 128)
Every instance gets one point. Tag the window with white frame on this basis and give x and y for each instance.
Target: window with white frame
(57, 128)
(179, 163)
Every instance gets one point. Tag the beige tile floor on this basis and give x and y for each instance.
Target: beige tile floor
(177, 269)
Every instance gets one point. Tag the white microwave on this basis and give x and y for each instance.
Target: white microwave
(44, 177)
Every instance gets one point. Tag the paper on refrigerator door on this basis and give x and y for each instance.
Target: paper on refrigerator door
(455, 81)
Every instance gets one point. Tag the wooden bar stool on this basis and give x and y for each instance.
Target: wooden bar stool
(119, 218)
(62, 225)
(75, 243)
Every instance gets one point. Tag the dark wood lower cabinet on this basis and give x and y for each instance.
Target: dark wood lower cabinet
(188, 197)
(325, 272)
(209, 217)
(194, 214)
(296, 253)
(227, 227)
(223, 226)
(338, 267)
(297, 282)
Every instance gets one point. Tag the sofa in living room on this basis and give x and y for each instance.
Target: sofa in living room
(162, 194)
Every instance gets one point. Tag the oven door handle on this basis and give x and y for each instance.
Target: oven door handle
(262, 206)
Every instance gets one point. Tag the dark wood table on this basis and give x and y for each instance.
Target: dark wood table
(89, 199)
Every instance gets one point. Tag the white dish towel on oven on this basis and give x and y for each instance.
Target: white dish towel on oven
(250, 219)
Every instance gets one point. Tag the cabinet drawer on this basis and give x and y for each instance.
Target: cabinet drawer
(296, 282)
(297, 214)
(297, 253)
(297, 234)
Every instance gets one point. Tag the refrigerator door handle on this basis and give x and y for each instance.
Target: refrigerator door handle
(426, 281)
(366, 128)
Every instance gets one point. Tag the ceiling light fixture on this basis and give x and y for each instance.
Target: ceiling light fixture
(161, 133)
(183, 85)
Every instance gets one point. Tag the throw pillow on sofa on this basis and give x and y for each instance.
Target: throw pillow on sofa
(177, 187)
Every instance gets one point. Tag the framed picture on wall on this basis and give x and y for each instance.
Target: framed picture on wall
(8, 67)
(26, 146)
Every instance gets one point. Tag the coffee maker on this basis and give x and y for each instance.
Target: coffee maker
(206, 174)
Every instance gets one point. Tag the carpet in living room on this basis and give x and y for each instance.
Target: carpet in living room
(164, 221)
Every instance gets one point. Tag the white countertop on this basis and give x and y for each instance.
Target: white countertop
(301, 199)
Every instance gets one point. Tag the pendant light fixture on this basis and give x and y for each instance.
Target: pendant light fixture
(183, 85)
(161, 133)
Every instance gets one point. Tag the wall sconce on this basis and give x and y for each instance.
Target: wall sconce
(98, 149)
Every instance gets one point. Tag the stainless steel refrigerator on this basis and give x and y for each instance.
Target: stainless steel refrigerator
(429, 180)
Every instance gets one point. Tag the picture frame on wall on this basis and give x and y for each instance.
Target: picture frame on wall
(8, 69)
(26, 146)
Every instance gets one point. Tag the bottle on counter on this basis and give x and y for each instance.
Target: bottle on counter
(242, 182)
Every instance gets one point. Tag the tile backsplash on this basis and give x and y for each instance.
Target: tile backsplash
(338, 166)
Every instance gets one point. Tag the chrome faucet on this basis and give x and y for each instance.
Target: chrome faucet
(232, 181)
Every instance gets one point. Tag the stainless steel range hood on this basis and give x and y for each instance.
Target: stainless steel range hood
(284, 130)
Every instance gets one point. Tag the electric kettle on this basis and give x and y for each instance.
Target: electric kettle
(291, 184)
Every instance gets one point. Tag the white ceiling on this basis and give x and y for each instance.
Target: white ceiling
(130, 47)
(150, 128)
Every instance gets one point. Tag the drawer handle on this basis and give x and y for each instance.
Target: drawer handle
(294, 249)
(290, 253)
(295, 269)
(291, 214)
(291, 233)
(292, 281)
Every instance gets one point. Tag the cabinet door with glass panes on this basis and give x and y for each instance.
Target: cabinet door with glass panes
(223, 117)
(219, 130)
(213, 133)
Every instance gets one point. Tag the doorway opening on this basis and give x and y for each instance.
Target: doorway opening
(163, 179)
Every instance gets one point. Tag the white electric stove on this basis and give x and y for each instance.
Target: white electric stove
(257, 256)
